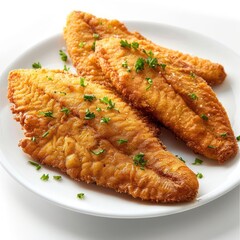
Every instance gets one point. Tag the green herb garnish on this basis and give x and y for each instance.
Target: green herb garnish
(238, 138)
(89, 115)
(65, 110)
(98, 152)
(96, 36)
(80, 196)
(204, 117)
(33, 139)
(108, 102)
(105, 120)
(150, 82)
(223, 134)
(163, 66)
(139, 65)
(37, 65)
(45, 177)
(82, 44)
(211, 146)
(89, 97)
(35, 165)
(197, 161)
(65, 68)
(82, 82)
(138, 160)
(152, 62)
(47, 114)
(193, 96)
(58, 178)
(124, 43)
(122, 141)
(45, 134)
(199, 175)
(180, 158)
(63, 55)
(135, 45)
(93, 46)
(192, 74)
(98, 109)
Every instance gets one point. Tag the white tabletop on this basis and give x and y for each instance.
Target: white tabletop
(24, 215)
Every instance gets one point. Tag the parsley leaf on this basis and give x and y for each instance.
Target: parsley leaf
(139, 65)
(89, 115)
(150, 82)
(65, 110)
(124, 43)
(45, 177)
(63, 55)
(197, 161)
(58, 178)
(199, 175)
(80, 196)
(193, 96)
(122, 141)
(105, 120)
(38, 166)
(138, 160)
(204, 117)
(45, 134)
(89, 97)
(98, 152)
(47, 114)
(82, 83)
(37, 65)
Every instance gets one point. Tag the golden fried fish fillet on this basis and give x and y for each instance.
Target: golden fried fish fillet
(87, 131)
(188, 107)
(101, 28)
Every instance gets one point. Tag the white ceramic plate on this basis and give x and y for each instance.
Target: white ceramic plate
(217, 179)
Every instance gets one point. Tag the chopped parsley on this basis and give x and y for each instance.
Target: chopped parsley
(192, 75)
(152, 62)
(63, 55)
(124, 43)
(33, 139)
(125, 65)
(36, 65)
(197, 161)
(80, 196)
(89, 97)
(204, 117)
(223, 134)
(98, 152)
(150, 82)
(45, 134)
(49, 78)
(108, 102)
(98, 109)
(65, 68)
(122, 141)
(93, 46)
(82, 44)
(199, 175)
(163, 66)
(45, 177)
(38, 167)
(180, 158)
(82, 82)
(139, 160)
(238, 138)
(58, 178)
(89, 115)
(135, 45)
(65, 110)
(193, 96)
(149, 54)
(96, 36)
(105, 120)
(47, 114)
(211, 146)
(139, 65)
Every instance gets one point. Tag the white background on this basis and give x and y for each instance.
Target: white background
(24, 215)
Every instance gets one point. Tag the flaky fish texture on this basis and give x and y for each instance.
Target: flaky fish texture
(188, 107)
(87, 131)
(85, 28)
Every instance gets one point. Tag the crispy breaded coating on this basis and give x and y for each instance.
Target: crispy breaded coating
(213, 73)
(87, 131)
(188, 107)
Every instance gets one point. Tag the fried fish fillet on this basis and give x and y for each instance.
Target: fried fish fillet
(87, 131)
(213, 73)
(188, 107)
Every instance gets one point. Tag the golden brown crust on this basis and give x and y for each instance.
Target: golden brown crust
(188, 107)
(213, 73)
(71, 138)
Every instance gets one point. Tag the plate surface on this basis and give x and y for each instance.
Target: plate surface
(98, 201)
